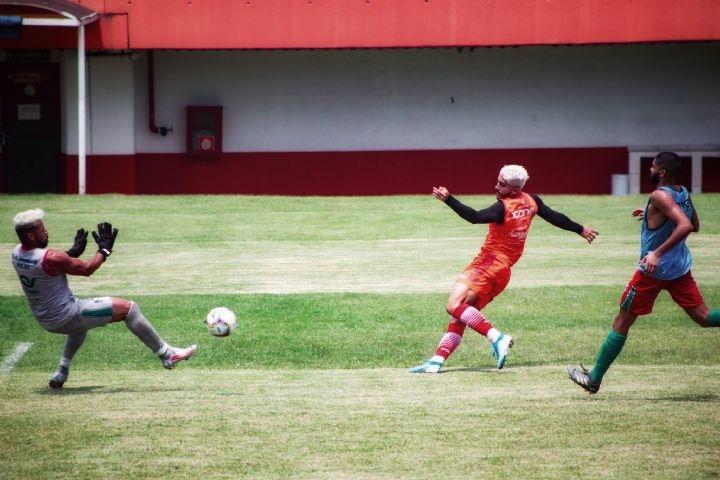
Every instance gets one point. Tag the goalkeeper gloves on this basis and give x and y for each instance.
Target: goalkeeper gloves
(79, 245)
(105, 238)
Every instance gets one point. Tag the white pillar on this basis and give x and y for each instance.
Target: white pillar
(634, 172)
(81, 110)
(696, 178)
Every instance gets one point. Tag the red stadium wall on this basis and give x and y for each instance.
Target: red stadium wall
(221, 24)
(564, 170)
(104, 174)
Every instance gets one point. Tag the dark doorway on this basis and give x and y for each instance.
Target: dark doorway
(711, 174)
(683, 177)
(30, 128)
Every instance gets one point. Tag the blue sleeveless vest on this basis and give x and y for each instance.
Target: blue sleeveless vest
(677, 261)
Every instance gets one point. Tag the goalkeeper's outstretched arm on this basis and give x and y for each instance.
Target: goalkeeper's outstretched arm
(57, 262)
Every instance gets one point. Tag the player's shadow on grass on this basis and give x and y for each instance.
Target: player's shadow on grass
(489, 368)
(690, 397)
(468, 369)
(101, 389)
(70, 390)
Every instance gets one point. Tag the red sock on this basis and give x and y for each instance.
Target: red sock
(450, 341)
(472, 317)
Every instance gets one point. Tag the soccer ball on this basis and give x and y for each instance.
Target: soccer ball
(221, 321)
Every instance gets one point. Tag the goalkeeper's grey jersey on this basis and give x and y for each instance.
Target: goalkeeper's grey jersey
(49, 296)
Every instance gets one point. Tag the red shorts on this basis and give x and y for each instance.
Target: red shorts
(640, 294)
(487, 277)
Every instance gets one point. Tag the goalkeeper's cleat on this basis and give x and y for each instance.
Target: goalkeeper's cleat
(58, 379)
(501, 349)
(429, 366)
(178, 354)
(582, 377)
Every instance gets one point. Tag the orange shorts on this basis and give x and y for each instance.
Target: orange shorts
(487, 277)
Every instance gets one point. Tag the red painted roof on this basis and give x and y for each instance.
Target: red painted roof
(281, 24)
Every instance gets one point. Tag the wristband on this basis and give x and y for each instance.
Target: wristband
(104, 252)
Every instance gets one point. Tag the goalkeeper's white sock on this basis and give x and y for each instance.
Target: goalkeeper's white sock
(73, 342)
(164, 351)
(138, 324)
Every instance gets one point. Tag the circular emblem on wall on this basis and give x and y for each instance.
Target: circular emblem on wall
(29, 90)
(206, 144)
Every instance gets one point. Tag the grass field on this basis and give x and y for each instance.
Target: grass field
(336, 298)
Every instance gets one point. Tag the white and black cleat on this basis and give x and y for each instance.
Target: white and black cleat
(582, 377)
(58, 379)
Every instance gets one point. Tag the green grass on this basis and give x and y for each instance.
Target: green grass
(374, 331)
(404, 244)
(336, 298)
(523, 422)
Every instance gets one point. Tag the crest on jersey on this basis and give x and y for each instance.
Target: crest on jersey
(27, 282)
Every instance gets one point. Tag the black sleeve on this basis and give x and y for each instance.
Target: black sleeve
(556, 218)
(495, 213)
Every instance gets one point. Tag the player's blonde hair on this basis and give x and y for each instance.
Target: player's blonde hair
(514, 175)
(28, 217)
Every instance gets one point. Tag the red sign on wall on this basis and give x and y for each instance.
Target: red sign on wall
(204, 131)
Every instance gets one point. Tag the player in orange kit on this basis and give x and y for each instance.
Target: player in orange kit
(488, 274)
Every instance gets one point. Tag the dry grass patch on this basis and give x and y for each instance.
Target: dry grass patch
(383, 423)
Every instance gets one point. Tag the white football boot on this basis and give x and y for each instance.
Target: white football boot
(501, 349)
(428, 366)
(176, 355)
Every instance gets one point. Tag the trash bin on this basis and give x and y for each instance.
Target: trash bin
(619, 184)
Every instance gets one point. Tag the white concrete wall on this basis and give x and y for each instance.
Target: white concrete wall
(110, 105)
(416, 99)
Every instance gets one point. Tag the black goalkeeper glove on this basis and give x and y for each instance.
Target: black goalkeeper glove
(79, 245)
(105, 238)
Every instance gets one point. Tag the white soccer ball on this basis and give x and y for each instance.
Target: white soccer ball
(221, 321)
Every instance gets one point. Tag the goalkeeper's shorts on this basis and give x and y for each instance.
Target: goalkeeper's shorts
(91, 313)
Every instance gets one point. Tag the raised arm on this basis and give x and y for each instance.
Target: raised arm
(57, 262)
(493, 214)
(561, 220)
(79, 244)
(664, 202)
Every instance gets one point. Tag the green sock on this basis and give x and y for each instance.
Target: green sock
(714, 317)
(609, 351)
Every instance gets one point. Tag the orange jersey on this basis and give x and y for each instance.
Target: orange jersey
(506, 241)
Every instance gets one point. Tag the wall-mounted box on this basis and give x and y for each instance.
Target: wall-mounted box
(204, 131)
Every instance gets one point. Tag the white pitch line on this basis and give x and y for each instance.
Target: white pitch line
(12, 359)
